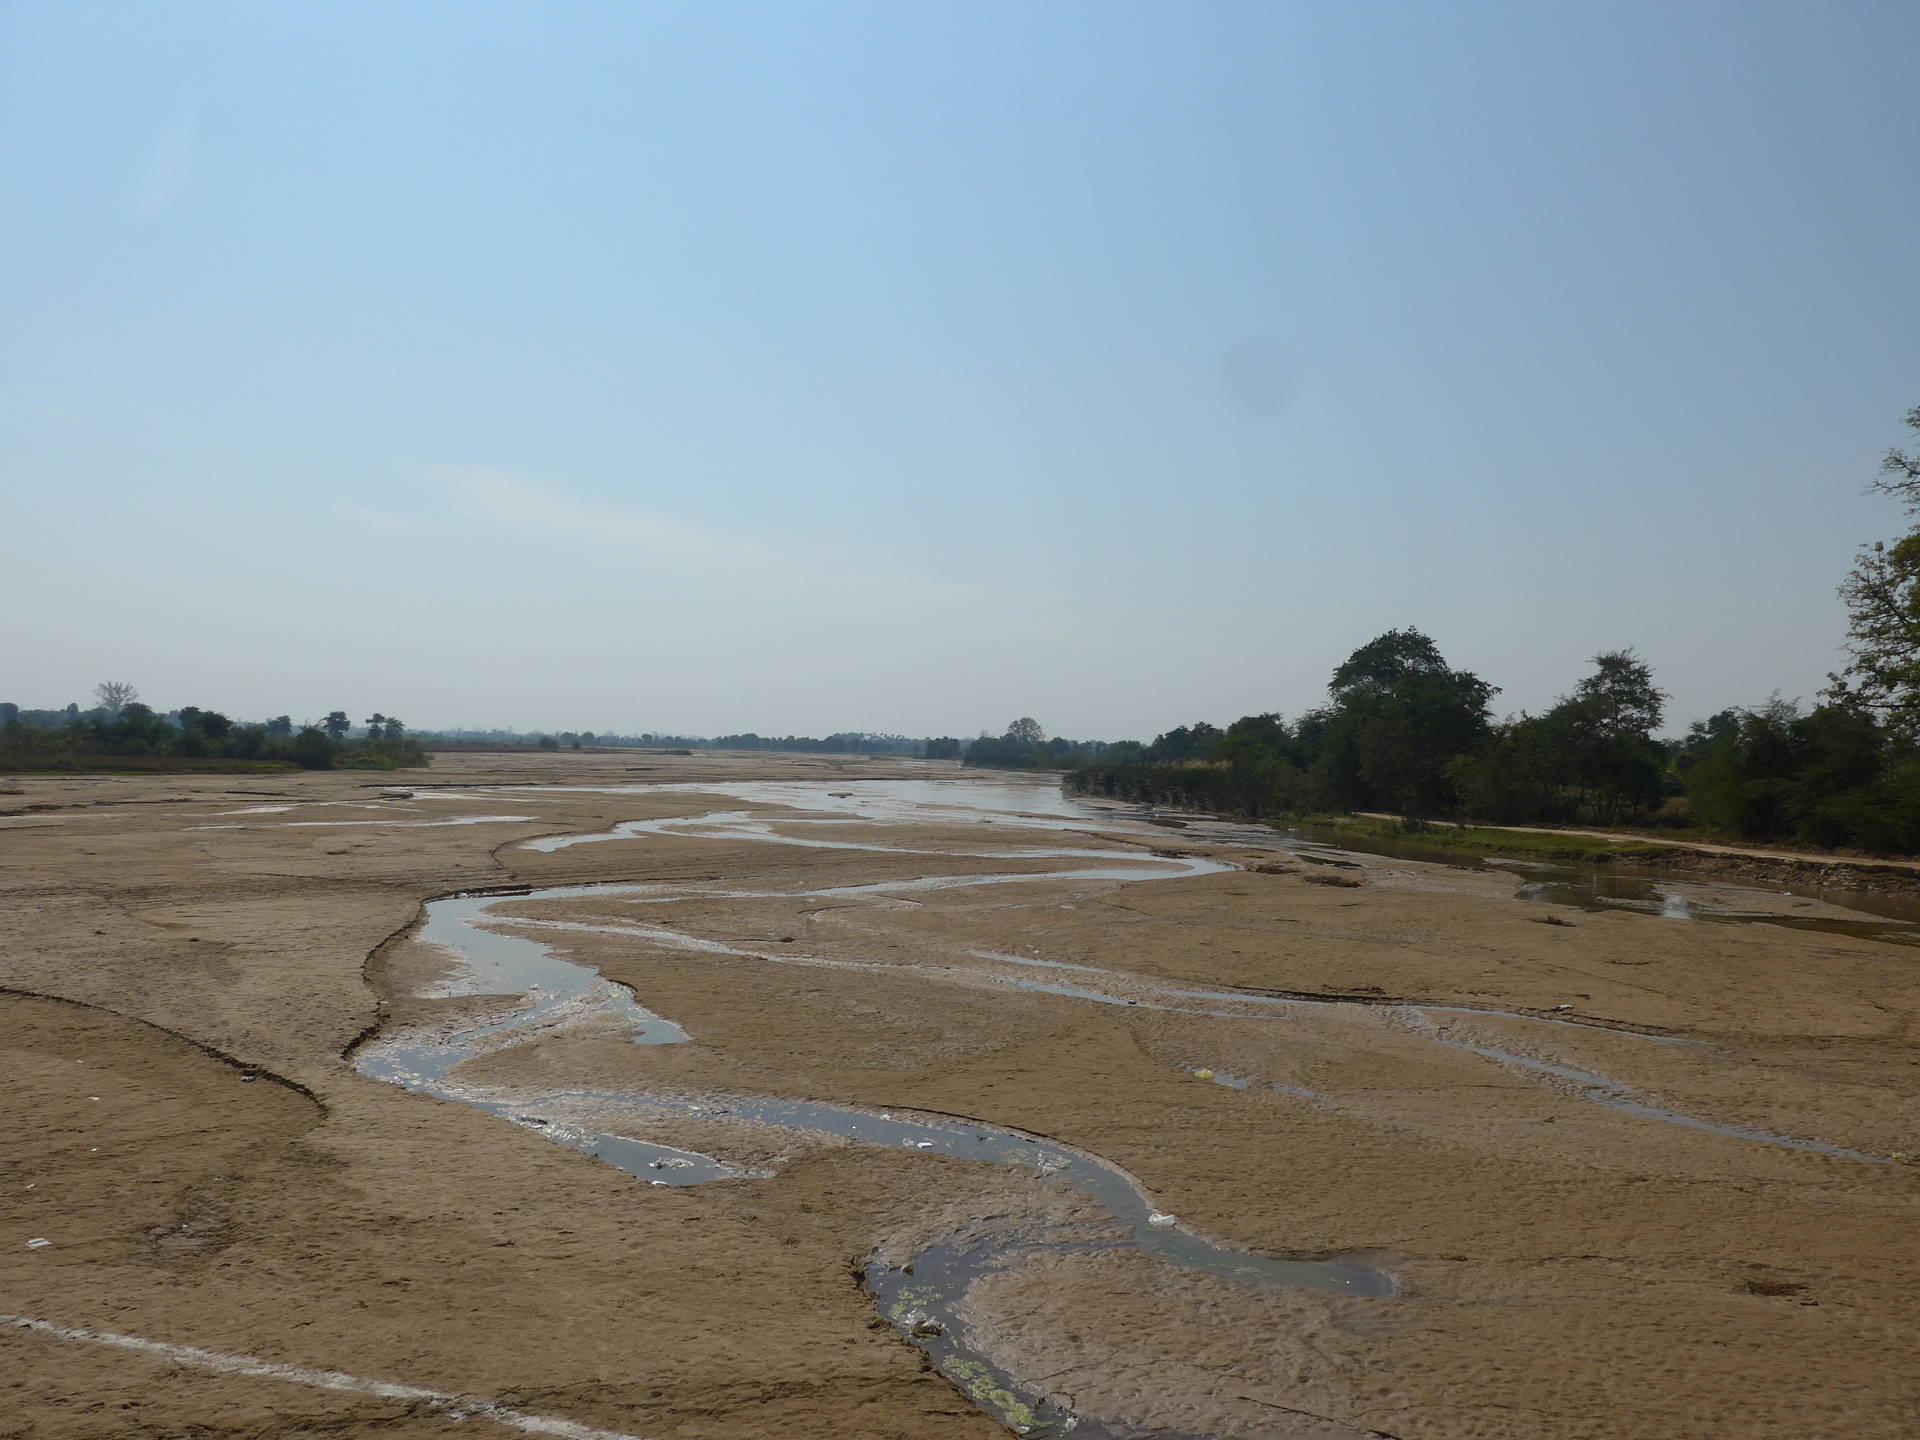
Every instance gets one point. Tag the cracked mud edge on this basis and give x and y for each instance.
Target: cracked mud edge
(245, 1067)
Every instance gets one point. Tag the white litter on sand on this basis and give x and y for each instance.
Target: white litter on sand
(456, 1407)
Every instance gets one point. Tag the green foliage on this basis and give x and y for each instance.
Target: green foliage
(1383, 662)
(1882, 595)
(1005, 753)
(1025, 746)
(1405, 732)
(1185, 743)
(1427, 835)
(130, 735)
(1834, 776)
(312, 750)
(1605, 730)
(1518, 773)
(1400, 718)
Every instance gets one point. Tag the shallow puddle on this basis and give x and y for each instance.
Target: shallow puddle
(1646, 890)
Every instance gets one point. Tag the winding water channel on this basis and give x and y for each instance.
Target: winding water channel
(922, 1299)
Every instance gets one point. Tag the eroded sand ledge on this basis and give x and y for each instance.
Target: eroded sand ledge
(1568, 1268)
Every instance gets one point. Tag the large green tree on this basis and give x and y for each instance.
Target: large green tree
(1882, 594)
(1025, 731)
(312, 749)
(1402, 715)
(1609, 722)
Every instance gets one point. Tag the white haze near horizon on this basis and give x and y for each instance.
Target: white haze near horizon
(914, 368)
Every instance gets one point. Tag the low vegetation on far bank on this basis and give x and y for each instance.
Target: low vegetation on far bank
(1405, 732)
(122, 734)
(1564, 846)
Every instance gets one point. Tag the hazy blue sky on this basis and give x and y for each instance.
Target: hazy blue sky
(912, 367)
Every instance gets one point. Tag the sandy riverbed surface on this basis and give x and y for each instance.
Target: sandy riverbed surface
(1690, 1212)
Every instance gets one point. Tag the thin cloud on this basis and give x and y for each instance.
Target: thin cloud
(498, 499)
(382, 522)
(836, 584)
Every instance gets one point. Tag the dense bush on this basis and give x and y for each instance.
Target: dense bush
(1829, 777)
(1025, 746)
(1404, 732)
(131, 735)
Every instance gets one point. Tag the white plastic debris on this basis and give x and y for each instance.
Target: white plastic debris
(39, 1242)
(1565, 1005)
(919, 1322)
(1160, 1220)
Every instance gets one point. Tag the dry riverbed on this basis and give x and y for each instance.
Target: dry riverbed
(1617, 1175)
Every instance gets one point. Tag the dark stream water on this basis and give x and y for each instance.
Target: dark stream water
(923, 1299)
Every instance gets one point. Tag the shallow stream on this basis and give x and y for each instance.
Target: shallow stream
(922, 1299)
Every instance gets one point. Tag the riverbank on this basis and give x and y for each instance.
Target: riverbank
(1623, 1172)
(66, 764)
(1574, 845)
(1831, 871)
